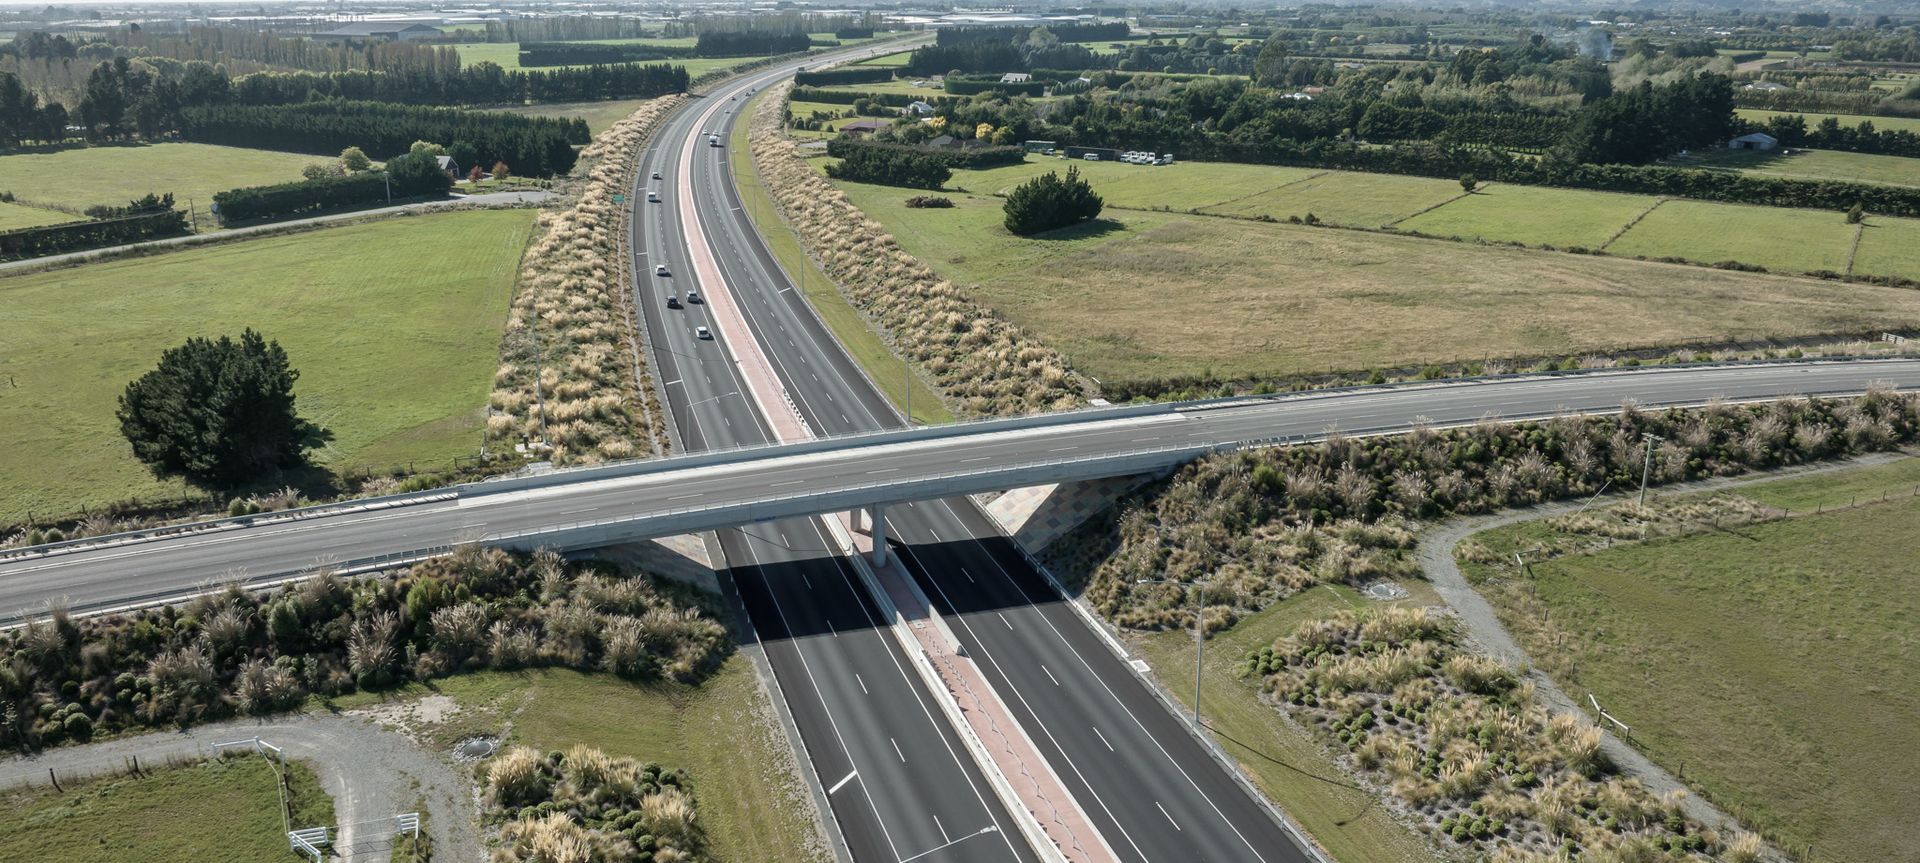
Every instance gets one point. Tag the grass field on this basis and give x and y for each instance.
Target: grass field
(85, 176)
(1343, 198)
(1889, 247)
(1780, 239)
(903, 86)
(849, 328)
(1908, 123)
(1534, 215)
(599, 115)
(1148, 295)
(394, 326)
(1774, 663)
(1815, 165)
(712, 731)
(225, 811)
(899, 59)
(1182, 186)
(507, 56)
(14, 216)
(1286, 762)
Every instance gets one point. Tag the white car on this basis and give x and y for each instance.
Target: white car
(703, 333)
(693, 296)
(656, 175)
(653, 196)
(660, 269)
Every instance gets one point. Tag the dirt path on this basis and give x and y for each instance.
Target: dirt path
(371, 773)
(1435, 554)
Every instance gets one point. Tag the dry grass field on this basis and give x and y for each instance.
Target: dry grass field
(1147, 295)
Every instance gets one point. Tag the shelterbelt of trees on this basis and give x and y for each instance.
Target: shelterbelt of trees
(531, 146)
(124, 98)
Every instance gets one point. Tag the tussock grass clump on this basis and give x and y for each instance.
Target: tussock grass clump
(584, 805)
(236, 651)
(981, 363)
(1464, 747)
(570, 373)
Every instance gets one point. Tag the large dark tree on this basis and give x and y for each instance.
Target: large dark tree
(1047, 202)
(218, 413)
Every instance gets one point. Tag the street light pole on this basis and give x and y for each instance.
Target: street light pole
(1646, 466)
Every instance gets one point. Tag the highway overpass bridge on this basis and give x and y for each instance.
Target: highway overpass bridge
(590, 507)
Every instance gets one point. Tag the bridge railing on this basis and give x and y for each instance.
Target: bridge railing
(895, 490)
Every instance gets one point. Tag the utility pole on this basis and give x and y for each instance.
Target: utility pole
(1646, 466)
(388, 177)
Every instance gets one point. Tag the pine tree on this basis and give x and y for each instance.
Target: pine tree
(218, 413)
(1047, 202)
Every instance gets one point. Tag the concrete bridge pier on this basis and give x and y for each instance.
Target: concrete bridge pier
(878, 513)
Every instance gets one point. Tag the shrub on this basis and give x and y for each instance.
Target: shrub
(929, 202)
(1048, 202)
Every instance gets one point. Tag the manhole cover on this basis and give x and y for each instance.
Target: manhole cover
(476, 747)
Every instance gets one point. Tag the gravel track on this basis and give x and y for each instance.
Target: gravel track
(371, 773)
(1483, 627)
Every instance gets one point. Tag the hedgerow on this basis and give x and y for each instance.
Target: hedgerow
(238, 652)
(570, 374)
(982, 364)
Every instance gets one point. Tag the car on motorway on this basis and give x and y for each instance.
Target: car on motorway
(656, 175)
(703, 333)
(653, 197)
(713, 140)
(673, 301)
(660, 270)
(693, 296)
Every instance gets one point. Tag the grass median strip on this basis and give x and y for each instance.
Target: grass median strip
(887, 371)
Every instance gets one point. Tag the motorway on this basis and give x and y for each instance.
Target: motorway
(901, 784)
(1148, 787)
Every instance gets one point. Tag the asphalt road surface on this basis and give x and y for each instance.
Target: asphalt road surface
(899, 782)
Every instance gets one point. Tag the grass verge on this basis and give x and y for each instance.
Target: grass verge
(224, 811)
(394, 326)
(866, 347)
(1772, 664)
(721, 732)
(1296, 772)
